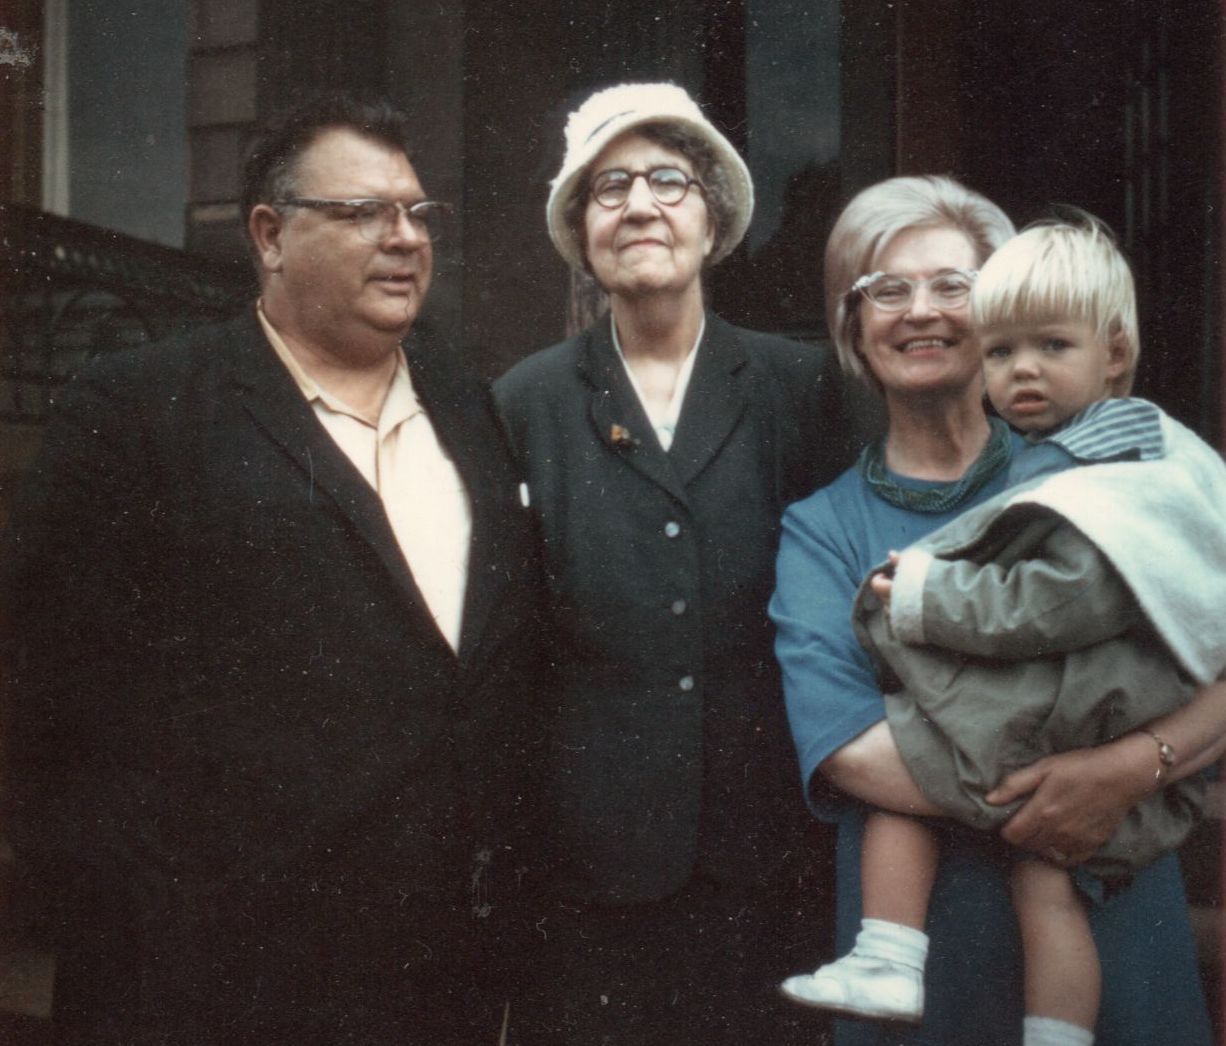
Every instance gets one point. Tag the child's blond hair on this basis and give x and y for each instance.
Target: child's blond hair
(1062, 270)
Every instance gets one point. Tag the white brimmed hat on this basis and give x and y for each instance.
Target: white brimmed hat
(613, 112)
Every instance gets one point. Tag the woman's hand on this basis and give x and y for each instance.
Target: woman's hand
(1077, 799)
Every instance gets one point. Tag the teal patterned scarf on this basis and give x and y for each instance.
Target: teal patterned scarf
(991, 460)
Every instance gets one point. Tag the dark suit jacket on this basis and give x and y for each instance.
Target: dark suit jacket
(669, 749)
(270, 801)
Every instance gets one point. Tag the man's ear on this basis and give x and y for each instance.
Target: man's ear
(265, 225)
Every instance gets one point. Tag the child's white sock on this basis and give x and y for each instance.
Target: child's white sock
(879, 939)
(1048, 1031)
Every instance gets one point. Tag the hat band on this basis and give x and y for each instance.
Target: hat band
(605, 123)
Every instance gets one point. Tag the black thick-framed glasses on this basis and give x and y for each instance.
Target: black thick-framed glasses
(946, 290)
(667, 184)
(375, 218)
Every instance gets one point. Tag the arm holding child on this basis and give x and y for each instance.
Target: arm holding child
(1075, 801)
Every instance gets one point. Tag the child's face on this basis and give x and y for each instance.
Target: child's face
(1039, 376)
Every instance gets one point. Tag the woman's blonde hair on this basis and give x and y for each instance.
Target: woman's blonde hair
(873, 218)
(1060, 270)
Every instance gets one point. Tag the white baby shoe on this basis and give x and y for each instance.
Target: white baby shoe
(862, 986)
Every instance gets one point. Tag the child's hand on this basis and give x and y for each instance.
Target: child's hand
(882, 583)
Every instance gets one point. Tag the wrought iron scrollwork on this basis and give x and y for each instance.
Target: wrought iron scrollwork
(72, 290)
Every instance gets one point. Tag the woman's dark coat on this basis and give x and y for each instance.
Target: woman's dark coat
(669, 747)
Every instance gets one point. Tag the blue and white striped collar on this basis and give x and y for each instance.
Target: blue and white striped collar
(1112, 430)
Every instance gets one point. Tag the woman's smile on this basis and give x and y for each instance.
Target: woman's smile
(914, 346)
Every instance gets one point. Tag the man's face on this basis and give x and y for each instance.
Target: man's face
(326, 281)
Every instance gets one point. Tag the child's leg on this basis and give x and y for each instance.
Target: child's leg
(1063, 978)
(898, 865)
(883, 976)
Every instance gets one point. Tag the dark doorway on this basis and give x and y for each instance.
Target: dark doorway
(1113, 107)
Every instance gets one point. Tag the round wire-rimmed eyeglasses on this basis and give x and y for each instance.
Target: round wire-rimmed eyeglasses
(668, 185)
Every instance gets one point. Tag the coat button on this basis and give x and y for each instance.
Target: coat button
(672, 529)
(678, 607)
(686, 683)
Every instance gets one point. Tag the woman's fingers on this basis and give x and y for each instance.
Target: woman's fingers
(1017, 784)
(1074, 805)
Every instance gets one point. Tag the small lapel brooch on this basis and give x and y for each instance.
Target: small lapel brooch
(620, 437)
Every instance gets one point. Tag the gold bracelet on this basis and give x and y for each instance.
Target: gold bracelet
(1166, 755)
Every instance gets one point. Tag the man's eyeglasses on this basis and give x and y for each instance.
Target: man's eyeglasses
(667, 184)
(946, 290)
(375, 218)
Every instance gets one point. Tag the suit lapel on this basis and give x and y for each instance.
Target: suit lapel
(714, 401)
(618, 416)
(268, 393)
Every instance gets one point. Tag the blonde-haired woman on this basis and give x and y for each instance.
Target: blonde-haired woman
(899, 270)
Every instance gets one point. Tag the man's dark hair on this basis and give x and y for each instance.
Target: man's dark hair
(269, 166)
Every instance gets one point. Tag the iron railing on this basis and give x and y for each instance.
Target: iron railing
(69, 291)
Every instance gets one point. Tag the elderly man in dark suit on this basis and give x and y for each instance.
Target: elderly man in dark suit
(270, 592)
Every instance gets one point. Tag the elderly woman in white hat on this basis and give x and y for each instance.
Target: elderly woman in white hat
(660, 448)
